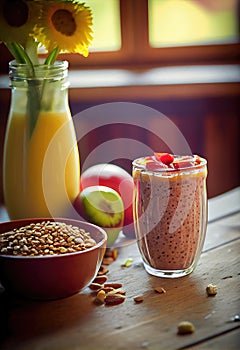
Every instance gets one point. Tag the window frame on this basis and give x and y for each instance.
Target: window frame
(136, 51)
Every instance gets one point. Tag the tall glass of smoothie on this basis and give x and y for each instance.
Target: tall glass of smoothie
(170, 212)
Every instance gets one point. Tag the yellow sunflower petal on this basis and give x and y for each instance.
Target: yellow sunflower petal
(17, 20)
(65, 24)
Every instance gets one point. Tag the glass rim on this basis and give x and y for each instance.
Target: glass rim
(56, 64)
(159, 170)
(22, 72)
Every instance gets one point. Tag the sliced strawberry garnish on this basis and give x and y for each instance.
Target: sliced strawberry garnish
(181, 165)
(155, 166)
(165, 158)
(198, 160)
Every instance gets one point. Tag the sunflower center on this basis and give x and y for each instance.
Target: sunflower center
(15, 12)
(64, 22)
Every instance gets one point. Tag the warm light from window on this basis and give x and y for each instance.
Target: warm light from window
(192, 22)
(106, 25)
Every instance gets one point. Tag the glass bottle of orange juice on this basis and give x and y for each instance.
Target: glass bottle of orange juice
(41, 159)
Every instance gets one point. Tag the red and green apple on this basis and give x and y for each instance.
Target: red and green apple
(118, 179)
(102, 206)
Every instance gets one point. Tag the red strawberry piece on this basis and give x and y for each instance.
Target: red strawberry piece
(198, 160)
(165, 158)
(155, 166)
(181, 165)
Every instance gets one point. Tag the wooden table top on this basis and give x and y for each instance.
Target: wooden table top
(77, 323)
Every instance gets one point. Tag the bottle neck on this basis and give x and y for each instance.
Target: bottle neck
(21, 75)
(45, 88)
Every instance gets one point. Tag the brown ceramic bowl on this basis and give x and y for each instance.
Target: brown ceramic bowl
(51, 276)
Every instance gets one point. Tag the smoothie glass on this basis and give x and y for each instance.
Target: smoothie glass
(170, 212)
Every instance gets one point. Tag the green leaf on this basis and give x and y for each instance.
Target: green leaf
(35, 88)
(31, 48)
(20, 55)
(52, 56)
(34, 104)
(12, 48)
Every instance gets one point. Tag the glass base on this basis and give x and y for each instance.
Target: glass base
(168, 273)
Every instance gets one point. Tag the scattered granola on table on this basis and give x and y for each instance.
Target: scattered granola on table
(107, 293)
(211, 290)
(100, 298)
(138, 299)
(186, 327)
(160, 290)
(127, 263)
(102, 270)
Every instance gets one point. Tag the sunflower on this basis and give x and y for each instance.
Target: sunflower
(17, 20)
(65, 25)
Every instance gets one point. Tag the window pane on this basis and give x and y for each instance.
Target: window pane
(106, 25)
(192, 22)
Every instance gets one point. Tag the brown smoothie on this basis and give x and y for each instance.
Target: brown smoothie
(170, 214)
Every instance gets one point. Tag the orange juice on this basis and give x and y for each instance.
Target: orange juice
(41, 171)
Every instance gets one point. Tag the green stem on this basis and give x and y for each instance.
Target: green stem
(31, 49)
(35, 88)
(33, 103)
(20, 55)
(52, 56)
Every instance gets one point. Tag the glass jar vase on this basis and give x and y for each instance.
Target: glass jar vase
(41, 166)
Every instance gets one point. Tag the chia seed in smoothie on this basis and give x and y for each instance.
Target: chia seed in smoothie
(170, 211)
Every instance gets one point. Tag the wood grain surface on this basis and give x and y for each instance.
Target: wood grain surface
(77, 323)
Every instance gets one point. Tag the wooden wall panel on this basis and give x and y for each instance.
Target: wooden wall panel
(222, 146)
(209, 124)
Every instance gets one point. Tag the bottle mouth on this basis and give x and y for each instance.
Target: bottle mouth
(19, 71)
(165, 162)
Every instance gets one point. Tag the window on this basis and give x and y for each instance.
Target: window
(150, 33)
(162, 32)
(106, 25)
(196, 22)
